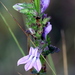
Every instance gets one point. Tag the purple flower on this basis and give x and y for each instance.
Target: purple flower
(46, 30)
(44, 5)
(31, 60)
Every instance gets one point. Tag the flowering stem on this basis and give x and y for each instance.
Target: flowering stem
(25, 34)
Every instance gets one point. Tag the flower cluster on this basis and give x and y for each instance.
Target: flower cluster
(38, 26)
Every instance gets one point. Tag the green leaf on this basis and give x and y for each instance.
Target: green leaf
(25, 8)
(51, 63)
(38, 35)
(42, 60)
(48, 40)
(45, 20)
(34, 27)
(37, 5)
(27, 5)
(28, 12)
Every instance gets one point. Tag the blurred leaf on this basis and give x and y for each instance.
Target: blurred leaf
(25, 8)
(37, 5)
(45, 20)
(15, 39)
(48, 40)
(51, 63)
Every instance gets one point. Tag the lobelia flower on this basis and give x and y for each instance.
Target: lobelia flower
(44, 5)
(31, 60)
(46, 30)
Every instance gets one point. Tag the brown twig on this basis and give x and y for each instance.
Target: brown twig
(19, 73)
(64, 53)
(28, 43)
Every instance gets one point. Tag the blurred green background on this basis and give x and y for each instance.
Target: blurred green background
(62, 14)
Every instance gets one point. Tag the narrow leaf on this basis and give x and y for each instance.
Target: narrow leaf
(37, 5)
(51, 63)
(13, 35)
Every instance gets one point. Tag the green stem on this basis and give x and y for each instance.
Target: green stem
(37, 5)
(51, 63)
(21, 50)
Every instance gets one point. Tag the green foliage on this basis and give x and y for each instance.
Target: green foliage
(36, 43)
(48, 40)
(42, 59)
(45, 20)
(37, 35)
(30, 21)
(37, 5)
(25, 8)
(27, 5)
(34, 27)
(28, 12)
(31, 10)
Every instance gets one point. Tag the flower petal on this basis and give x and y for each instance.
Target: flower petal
(35, 54)
(37, 65)
(48, 28)
(26, 67)
(18, 7)
(22, 60)
(29, 59)
(30, 64)
(32, 51)
(44, 4)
